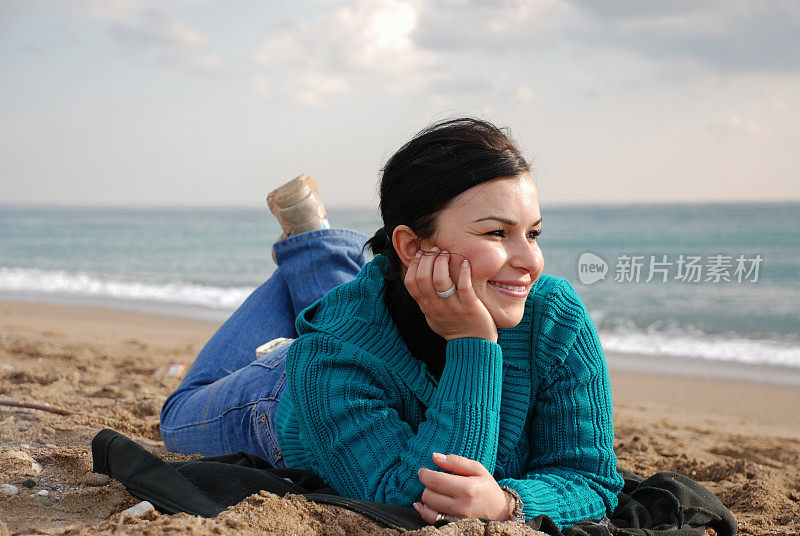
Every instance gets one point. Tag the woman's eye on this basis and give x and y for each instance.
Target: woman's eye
(533, 235)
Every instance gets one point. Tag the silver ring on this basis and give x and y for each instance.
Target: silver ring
(447, 293)
(440, 517)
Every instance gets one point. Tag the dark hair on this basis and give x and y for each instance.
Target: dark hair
(439, 163)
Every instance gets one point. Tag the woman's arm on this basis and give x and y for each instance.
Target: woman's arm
(571, 470)
(347, 405)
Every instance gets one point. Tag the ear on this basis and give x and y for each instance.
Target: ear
(404, 241)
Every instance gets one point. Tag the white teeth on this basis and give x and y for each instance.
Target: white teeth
(509, 287)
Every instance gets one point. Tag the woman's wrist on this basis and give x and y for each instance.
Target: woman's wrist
(514, 505)
(482, 336)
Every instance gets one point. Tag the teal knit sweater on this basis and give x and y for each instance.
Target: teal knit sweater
(533, 408)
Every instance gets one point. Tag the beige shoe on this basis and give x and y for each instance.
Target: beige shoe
(298, 207)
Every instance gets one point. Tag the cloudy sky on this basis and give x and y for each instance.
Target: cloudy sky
(168, 102)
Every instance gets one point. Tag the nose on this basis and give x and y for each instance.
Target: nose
(526, 255)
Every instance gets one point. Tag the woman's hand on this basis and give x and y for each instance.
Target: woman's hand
(470, 492)
(457, 316)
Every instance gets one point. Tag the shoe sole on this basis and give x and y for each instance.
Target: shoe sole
(297, 206)
(291, 193)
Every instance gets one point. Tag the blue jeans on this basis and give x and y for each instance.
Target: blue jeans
(228, 398)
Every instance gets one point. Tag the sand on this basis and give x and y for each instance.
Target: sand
(109, 369)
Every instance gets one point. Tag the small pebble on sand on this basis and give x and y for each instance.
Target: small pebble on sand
(95, 479)
(8, 489)
(139, 509)
(43, 492)
(20, 462)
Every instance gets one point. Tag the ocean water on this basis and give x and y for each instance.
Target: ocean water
(725, 279)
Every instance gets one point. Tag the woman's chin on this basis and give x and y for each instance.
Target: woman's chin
(506, 320)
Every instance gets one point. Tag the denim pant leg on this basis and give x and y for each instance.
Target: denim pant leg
(337, 259)
(227, 401)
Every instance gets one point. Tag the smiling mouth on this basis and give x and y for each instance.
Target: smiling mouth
(513, 290)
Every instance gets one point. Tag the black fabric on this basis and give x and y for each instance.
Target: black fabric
(205, 487)
(666, 504)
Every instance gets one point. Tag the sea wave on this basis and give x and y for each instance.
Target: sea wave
(56, 282)
(692, 342)
(616, 335)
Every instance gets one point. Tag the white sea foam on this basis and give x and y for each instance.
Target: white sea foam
(684, 341)
(692, 342)
(51, 282)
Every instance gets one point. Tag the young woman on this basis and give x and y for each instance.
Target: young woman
(447, 374)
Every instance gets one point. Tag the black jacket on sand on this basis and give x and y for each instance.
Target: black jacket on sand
(666, 504)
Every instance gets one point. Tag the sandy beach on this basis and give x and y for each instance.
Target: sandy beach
(111, 368)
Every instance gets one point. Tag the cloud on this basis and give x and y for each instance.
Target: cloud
(143, 29)
(362, 43)
(451, 47)
(395, 47)
(732, 35)
(725, 35)
(156, 36)
(489, 26)
(735, 125)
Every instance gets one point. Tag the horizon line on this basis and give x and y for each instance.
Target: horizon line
(341, 206)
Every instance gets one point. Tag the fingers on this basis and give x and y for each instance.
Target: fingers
(427, 274)
(424, 274)
(465, 290)
(458, 316)
(445, 492)
(472, 492)
(459, 465)
(439, 502)
(440, 482)
(441, 272)
(426, 512)
(411, 277)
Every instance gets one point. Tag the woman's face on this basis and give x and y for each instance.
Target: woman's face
(494, 225)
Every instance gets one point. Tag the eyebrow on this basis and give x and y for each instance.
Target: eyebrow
(506, 221)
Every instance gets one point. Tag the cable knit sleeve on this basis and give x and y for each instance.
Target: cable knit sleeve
(350, 422)
(571, 470)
